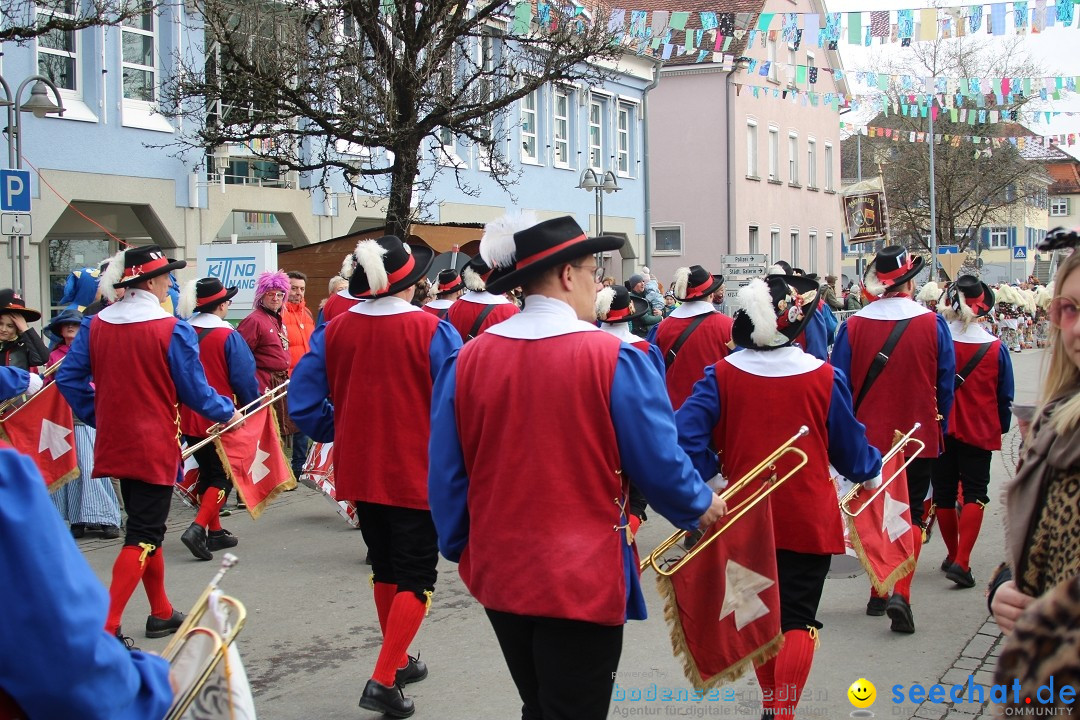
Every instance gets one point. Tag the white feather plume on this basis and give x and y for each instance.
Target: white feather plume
(1043, 297)
(873, 285)
(369, 256)
(756, 302)
(472, 279)
(111, 276)
(188, 299)
(497, 246)
(682, 282)
(348, 265)
(603, 302)
(929, 293)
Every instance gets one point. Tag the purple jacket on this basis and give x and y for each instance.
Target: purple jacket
(265, 335)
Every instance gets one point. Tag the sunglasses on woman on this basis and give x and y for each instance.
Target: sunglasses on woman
(1062, 311)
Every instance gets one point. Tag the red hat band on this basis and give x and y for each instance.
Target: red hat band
(887, 276)
(216, 296)
(618, 314)
(136, 270)
(699, 288)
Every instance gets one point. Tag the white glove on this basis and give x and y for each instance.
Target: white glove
(717, 483)
(35, 384)
(873, 483)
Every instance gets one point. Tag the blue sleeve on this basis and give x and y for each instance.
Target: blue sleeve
(817, 337)
(448, 481)
(648, 442)
(841, 353)
(651, 335)
(309, 391)
(190, 379)
(946, 372)
(58, 661)
(241, 365)
(1005, 391)
(444, 343)
(13, 381)
(830, 322)
(74, 376)
(696, 419)
(658, 359)
(849, 452)
(70, 286)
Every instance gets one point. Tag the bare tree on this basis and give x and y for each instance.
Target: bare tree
(975, 184)
(22, 20)
(362, 89)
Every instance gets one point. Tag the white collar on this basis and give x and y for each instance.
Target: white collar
(892, 308)
(438, 304)
(782, 362)
(620, 330)
(137, 305)
(692, 308)
(483, 297)
(543, 317)
(208, 321)
(345, 294)
(973, 333)
(384, 306)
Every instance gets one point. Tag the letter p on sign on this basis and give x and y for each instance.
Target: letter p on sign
(15, 190)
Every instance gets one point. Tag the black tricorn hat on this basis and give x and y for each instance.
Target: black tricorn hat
(12, 302)
(389, 264)
(142, 264)
(892, 266)
(616, 304)
(532, 250)
(970, 297)
(448, 281)
(695, 283)
(773, 311)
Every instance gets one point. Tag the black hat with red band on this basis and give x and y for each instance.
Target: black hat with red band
(695, 283)
(615, 304)
(893, 266)
(145, 263)
(386, 266)
(971, 293)
(12, 302)
(448, 281)
(209, 293)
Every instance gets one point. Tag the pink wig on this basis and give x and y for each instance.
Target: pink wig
(271, 280)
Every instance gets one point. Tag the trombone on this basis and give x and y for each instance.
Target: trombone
(737, 511)
(898, 446)
(216, 430)
(10, 402)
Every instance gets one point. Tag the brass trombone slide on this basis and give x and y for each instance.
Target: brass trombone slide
(12, 401)
(199, 609)
(736, 512)
(900, 444)
(269, 397)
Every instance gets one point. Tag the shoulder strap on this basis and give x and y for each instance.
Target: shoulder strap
(443, 312)
(971, 365)
(203, 332)
(878, 364)
(669, 357)
(479, 321)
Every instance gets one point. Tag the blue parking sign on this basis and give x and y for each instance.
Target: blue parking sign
(15, 190)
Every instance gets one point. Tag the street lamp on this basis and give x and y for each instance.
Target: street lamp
(40, 105)
(599, 184)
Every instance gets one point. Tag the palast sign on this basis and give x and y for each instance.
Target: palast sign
(743, 260)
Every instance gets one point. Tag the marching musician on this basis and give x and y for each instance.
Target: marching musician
(616, 309)
(815, 338)
(545, 413)
(142, 362)
(448, 288)
(772, 372)
(477, 310)
(230, 369)
(981, 414)
(378, 362)
(694, 335)
(899, 362)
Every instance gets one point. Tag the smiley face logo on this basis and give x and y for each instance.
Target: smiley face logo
(862, 693)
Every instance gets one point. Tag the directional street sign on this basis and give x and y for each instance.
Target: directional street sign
(15, 190)
(747, 272)
(743, 260)
(739, 282)
(948, 249)
(15, 224)
(1019, 253)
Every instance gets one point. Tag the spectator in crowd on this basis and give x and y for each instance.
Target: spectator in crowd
(337, 285)
(642, 326)
(20, 344)
(828, 293)
(298, 326)
(852, 297)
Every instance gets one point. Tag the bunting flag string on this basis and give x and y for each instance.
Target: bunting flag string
(1020, 142)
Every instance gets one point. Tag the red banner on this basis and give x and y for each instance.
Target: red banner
(881, 532)
(318, 473)
(43, 428)
(723, 605)
(255, 462)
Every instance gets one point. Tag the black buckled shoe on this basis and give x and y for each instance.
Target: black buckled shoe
(195, 540)
(899, 611)
(960, 576)
(390, 701)
(414, 671)
(876, 606)
(127, 642)
(946, 564)
(78, 530)
(157, 628)
(220, 540)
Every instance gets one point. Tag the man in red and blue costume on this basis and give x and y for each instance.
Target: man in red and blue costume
(797, 389)
(365, 385)
(127, 372)
(16, 381)
(477, 310)
(911, 383)
(546, 411)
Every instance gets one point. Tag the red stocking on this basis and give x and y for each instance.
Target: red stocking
(126, 574)
(154, 584)
(946, 518)
(766, 678)
(970, 524)
(402, 624)
(903, 585)
(792, 668)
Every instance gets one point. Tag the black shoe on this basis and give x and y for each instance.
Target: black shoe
(960, 576)
(110, 532)
(195, 540)
(767, 715)
(240, 505)
(692, 538)
(876, 606)
(946, 564)
(156, 627)
(387, 700)
(415, 671)
(78, 530)
(125, 640)
(220, 540)
(900, 613)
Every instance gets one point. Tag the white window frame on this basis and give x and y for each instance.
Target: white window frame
(561, 140)
(829, 167)
(792, 68)
(811, 162)
(793, 238)
(751, 149)
(136, 112)
(529, 106)
(753, 237)
(73, 54)
(830, 265)
(770, 56)
(154, 70)
(774, 153)
(485, 62)
(596, 134)
(1061, 210)
(793, 158)
(812, 235)
(667, 226)
(623, 140)
(997, 238)
(774, 245)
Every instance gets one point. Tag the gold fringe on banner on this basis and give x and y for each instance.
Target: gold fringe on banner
(60, 481)
(256, 510)
(881, 586)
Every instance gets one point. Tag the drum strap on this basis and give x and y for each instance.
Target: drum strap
(971, 365)
(475, 329)
(669, 357)
(878, 364)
